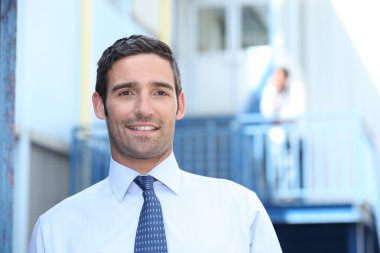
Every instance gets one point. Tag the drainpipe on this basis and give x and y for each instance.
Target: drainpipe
(165, 19)
(85, 61)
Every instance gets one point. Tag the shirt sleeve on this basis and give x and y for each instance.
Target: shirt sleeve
(36, 244)
(263, 237)
(267, 102)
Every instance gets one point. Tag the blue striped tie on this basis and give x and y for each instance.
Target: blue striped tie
(150, 234)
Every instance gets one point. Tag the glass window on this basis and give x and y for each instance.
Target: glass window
(254, 26)
(211, 29)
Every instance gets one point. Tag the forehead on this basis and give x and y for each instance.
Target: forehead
(141, 68)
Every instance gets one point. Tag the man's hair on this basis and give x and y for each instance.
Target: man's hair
(285, 71)
(134, 45)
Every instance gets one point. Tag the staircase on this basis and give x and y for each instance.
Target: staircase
(345, 228)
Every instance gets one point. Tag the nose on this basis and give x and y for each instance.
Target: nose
(143, 106)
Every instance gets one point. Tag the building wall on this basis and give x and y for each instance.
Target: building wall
(48, 66)
(337, 77)
(219, 76)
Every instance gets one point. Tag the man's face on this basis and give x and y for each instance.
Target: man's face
(280, 80)
(142, 110)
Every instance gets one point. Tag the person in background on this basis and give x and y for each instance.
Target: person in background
(282, 101)
(147, 203)
(282, 97)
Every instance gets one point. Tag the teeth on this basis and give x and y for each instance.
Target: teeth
(143, 128)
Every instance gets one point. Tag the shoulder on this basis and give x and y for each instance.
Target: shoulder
(78, 203)
(219, 187)
(66, 220)
(222, 194)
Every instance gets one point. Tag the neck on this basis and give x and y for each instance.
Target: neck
(142, 166)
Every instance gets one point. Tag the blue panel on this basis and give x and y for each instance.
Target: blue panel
(7, 99)
(203, 146)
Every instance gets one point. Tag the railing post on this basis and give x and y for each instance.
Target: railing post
(7, 99)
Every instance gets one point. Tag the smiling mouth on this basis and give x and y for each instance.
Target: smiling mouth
(143, 128)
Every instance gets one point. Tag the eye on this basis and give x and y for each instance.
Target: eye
(160, 93)
(125, 93)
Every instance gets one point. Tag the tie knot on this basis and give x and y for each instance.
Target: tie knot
(144, 182)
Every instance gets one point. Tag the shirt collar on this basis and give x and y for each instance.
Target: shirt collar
(121, 177)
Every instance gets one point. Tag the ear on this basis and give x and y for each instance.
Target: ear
(98, 105)
(181, 106)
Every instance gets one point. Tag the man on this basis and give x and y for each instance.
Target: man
(281, 98)
(282, 101)
(147, 204)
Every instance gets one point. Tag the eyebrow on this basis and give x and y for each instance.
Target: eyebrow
(122, 86)
(163, 85)
(134, 84)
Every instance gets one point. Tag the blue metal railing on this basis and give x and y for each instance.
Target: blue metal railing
(326, 159)
(90, 156)
(314, 158)
(207, 139)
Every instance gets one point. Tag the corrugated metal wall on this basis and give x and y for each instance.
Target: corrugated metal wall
(49, 175)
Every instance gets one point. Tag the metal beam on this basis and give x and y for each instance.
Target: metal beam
(7, 115)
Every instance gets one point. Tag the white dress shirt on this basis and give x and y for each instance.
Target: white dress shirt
(201, 215)
(285, 104)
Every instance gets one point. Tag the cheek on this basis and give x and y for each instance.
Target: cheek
(117, 110)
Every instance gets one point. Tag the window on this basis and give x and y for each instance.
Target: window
(211, 29)
(254, 25)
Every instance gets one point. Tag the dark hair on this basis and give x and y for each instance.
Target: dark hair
(133, 45)
(285, 71)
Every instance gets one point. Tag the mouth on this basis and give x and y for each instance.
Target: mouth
(143, 127)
